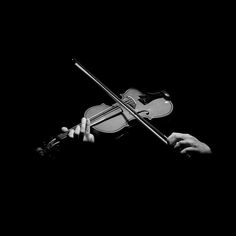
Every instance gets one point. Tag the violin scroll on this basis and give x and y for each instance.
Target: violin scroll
(48, 150)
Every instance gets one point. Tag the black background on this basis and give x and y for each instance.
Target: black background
(183, 50)
(182, 57)
(182, 53)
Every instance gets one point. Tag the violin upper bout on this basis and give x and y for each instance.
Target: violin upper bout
(147, 98)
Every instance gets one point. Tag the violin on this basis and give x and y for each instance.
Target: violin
(133, 104)
(111, 119)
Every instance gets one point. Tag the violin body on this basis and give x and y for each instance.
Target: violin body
(111, 119)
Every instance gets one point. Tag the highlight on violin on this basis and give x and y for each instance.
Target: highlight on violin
(133, 105)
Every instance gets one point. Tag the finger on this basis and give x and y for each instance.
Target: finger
(71, 133)
(89, 138)
(87, 128)
(64, 129)
(83, 125)
(175, 137)
(188, 150)
(77, 130)
(87, 131)
(182, 143)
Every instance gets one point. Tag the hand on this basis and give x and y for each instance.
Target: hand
(188, 144)
(84, 129)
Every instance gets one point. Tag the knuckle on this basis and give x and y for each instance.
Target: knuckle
(71, 133)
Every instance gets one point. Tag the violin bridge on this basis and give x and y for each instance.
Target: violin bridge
(131, 102)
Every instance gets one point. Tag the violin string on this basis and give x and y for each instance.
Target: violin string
(97, 116)
(107, 111)
(94, 118)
